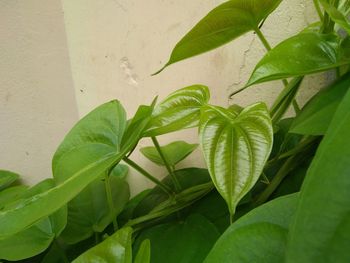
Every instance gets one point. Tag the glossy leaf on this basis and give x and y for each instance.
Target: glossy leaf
(89, 211)
(222, 25)
(144, 253)
(180, 242)
(336, 15)
(7, 178)
(320, 231)
(116, 248)
(180, 110)
(317, 114)
(259, 236)
(236, 147)
(300, 55)
(174, 152)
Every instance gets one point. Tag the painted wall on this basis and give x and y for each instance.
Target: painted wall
(113, 47)
(37, 101)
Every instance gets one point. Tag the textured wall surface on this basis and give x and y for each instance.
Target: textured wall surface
(114, 46)
(37, 103)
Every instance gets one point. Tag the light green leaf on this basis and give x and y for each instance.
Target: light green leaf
(320, 231)
(144, 253)
(89, 211)
(259, 236)
(116, 248)
(180, 242)
(236, 147)
(7, 178)
(222, 25)
(174, 152)
(336, 15)
(180, 110)
(11, 194)
(317, 114)
(300, 55)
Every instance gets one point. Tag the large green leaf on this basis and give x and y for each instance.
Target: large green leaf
(300, 55)
(260, 236)
(7, 178)
(317, 114)
(89, 211)
(236, 146)
(38, 237)
(180, 110)
(144, 253)
(116, 248)
(11, 194)
(223, 24)
(174, 152)
(321, 229)
(180, 242)
(336, 16)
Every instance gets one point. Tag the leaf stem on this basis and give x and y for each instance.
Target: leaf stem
(318, 9)
(110, 201)
(263, 39)
(168, 167)
(134, 165)
(62, 250)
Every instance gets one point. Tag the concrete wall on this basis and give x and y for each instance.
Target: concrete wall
(114, 46)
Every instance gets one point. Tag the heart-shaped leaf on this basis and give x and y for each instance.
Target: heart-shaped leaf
(223, 24)
(7, 178)
(300, 55)
(180, 110)
(174, 152)
(321, 229)
(259, 236)
(317, 114)
(236, 147)
(116, 248)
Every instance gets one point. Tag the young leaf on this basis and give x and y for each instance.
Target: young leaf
(320, 230)
(7, 178)
(144, 253)
(300, 55)
(317, 114)
(259, 236)
(174, 152)
(180, 242)
(236, 147)
(336, 15)
(116, 248)
(223, 24)
(180, 110)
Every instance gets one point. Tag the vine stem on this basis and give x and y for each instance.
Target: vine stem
(166, 162)
(138, 168)
(110, 201)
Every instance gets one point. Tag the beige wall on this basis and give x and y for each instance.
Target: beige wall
(37, 103)
(114, 46)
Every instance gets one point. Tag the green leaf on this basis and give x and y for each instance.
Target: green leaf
(336, 15)
(317, 114)
(222, 25)
(174, 152)
(320, 231)
(37, 238)
(236, 147)
(180, 242)
(180, 110)
(300, 55)
(144, 253)
(11, 194)
(7, 178)
(89, 212)
(259, 236)
(116, 248)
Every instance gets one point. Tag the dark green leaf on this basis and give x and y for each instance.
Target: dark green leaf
(320, 231)
(7, 178)
(144, 253)
(260, 236)
(180, 110)
(223, 24)
(116, 248)
(174, 152)
(300, 55)
(180, 242)
(317, 114)
(236, 147)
